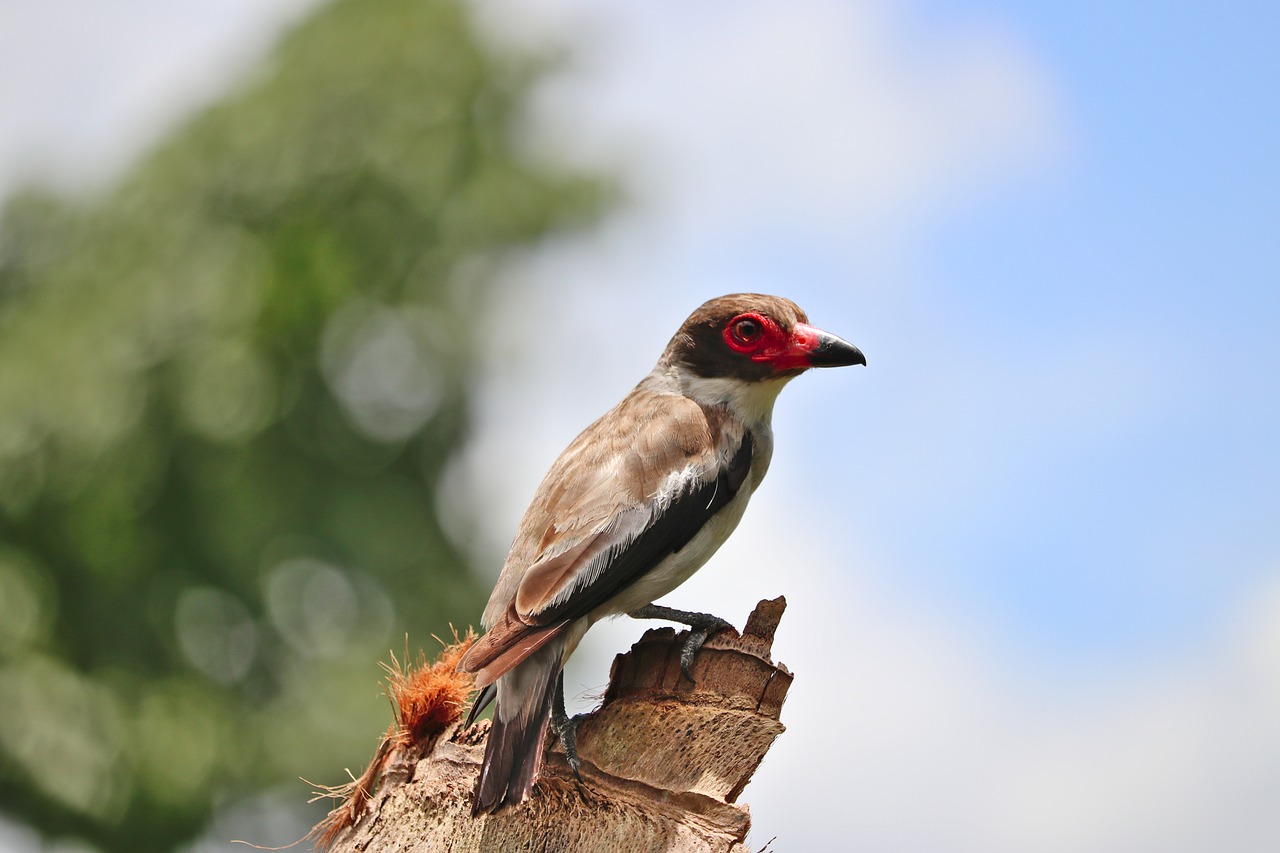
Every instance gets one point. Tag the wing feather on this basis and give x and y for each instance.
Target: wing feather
(670, 527)
(635, 487)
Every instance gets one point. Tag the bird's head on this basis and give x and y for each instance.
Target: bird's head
(754, 337)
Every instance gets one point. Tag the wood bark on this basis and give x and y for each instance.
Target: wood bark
(663, 763)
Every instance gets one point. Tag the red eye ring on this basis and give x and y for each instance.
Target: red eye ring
(746, 332)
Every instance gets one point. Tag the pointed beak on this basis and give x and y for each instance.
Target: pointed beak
(833, 352)
(812, 347)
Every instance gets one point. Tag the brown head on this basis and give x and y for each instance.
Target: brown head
(752, 336)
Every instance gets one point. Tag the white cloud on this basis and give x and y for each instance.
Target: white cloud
(829, 113)
(737, 122)
(908, 729)
(840, 121)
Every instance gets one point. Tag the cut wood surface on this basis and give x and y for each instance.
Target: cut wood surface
(664, 761)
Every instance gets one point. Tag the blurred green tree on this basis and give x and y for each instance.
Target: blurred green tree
(228, 390)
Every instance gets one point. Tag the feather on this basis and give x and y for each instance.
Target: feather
(513, 753)
(600, 569)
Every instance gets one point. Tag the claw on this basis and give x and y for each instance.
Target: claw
(690, 650)
(567, 728)
(701, 626)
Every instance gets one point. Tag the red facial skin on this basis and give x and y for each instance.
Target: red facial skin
(770, 343)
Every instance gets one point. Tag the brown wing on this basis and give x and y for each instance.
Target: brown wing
(622, 498)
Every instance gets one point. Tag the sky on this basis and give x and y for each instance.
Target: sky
(1031, 551)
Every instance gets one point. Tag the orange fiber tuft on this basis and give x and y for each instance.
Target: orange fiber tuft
(429, 697)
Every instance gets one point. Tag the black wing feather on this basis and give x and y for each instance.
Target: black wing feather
(666, 535)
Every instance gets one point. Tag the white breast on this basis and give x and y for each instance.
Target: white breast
(680, 566)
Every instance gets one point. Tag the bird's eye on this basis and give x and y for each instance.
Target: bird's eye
(746, 330)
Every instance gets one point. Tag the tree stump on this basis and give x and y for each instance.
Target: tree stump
(663, 761)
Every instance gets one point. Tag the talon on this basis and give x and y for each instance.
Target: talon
(567, 729)
(701, 626)
(689, 651)
(569, 740)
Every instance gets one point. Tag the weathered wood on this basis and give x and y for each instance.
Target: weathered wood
(664, 762)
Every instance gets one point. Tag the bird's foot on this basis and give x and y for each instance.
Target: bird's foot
(567, 729)
(701, 626)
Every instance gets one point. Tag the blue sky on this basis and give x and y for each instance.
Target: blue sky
(1031, 551)
(1161, 230)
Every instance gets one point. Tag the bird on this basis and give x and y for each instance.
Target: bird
(630, 510)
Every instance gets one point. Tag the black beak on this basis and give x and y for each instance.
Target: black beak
(834, 352)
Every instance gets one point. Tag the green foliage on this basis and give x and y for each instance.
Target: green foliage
(227, 393)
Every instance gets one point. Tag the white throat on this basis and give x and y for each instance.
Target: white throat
(752, 402)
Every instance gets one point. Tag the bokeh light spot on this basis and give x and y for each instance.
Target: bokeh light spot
(25, 611)
(66, 732)
(387, 382)
(226, 391)
(313, 605)
(216, 633)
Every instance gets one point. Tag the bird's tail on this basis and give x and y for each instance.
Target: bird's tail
(513, 755)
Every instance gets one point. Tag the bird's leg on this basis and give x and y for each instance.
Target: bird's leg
(701, 626)
(566, 727)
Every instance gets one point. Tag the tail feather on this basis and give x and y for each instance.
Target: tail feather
(513, 755)
(485, 696)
